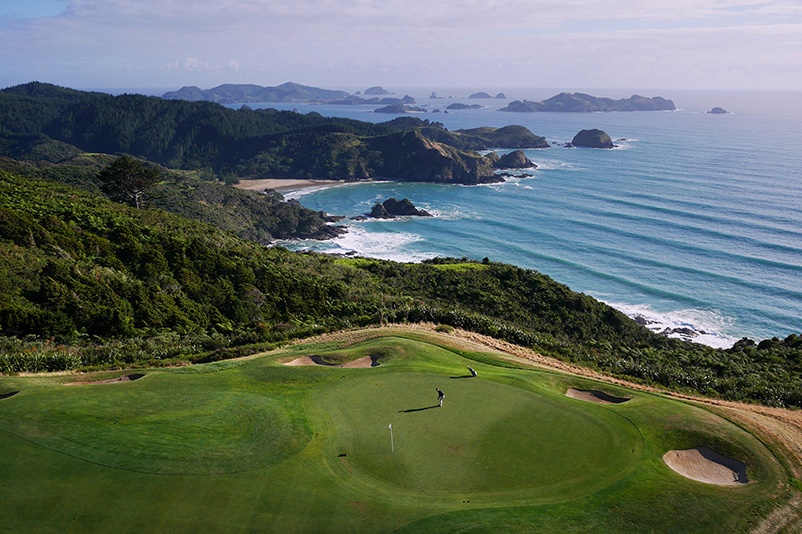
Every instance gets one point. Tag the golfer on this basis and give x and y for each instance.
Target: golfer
(473, 373)
(440, 397)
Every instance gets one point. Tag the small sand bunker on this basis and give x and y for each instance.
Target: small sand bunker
(594, 395)
(361, 363)
(119, 379)
(706, 465)
(7, 395)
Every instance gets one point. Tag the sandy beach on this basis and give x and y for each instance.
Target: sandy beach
(284, 184)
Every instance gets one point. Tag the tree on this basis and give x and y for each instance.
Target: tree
(128, 181)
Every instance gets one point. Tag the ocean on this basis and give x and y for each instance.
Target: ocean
(693, 223)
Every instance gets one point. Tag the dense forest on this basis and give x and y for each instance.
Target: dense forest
(88, 283)
(245, 142)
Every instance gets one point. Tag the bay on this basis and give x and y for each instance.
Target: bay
(693, 223)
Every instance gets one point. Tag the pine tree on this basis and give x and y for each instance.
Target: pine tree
(128, 181)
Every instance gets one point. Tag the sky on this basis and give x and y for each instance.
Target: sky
(567, 44)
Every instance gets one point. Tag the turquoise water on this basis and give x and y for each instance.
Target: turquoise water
(694, 221)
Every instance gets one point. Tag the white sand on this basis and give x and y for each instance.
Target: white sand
(360, 363)
(281, 184)
(706, 465)
(302, 361)
(594, 395)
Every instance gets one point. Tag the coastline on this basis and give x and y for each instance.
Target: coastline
(285, 184)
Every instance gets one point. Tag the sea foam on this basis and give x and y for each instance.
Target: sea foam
(706, 327)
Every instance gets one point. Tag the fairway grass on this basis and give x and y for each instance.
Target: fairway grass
(255, 445)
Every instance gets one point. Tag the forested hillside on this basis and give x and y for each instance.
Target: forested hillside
(85, 282)
(245, 142)
(197, 195)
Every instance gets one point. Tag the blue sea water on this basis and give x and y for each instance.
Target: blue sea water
(693, 222)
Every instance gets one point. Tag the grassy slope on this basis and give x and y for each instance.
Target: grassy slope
(202, 447)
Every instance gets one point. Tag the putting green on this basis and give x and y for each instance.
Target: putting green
(490, 436)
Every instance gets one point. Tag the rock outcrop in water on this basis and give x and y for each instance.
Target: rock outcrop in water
(592, 139)
(718, 111)
(514, 160)
(392, 208)
(580, 102)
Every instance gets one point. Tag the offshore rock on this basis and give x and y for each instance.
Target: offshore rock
(514, 160)
(592, 139)
(392, 208)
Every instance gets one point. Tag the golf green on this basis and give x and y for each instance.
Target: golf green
(490, 435)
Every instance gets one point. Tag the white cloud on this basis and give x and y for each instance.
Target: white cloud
(364, 41)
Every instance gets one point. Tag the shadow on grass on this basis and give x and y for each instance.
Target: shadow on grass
(411, 410)
(463, 376)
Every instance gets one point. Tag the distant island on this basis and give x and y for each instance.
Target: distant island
(302, 94)
(355, 100)
(248, 93)
(718, 111)
(584, 103)
(399, 108)
(285, 93)
(458, 105)
(484, 95)
(377, 90)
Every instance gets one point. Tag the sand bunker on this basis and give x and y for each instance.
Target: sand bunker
(7, 395)
(594, 395)
(706, 465)
(119, 379)
(361, 363)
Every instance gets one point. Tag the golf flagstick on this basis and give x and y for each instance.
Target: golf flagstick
(392, 445)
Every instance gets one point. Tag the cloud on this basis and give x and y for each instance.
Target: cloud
(337, 41)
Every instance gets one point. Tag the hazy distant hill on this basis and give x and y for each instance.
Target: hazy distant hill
(244, 93)
(581, 102)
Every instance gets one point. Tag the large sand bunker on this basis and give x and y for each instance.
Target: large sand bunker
(706, 465)
(119, 379)
(594, 395)
(7, 395)
(361, 363)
